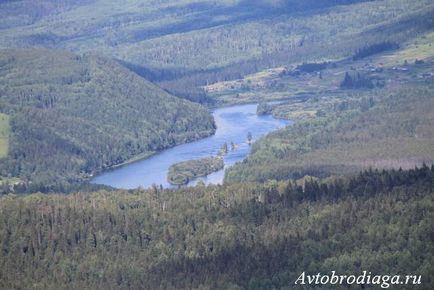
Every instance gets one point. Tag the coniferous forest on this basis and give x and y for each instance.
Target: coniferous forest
(245, 236)
(344, 184)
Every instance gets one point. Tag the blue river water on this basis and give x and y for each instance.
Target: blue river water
(233, 124)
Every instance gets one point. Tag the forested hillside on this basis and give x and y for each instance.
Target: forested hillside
(90, 85)
(246, 236)
(381, 129)
(71, 116)
(190, 43)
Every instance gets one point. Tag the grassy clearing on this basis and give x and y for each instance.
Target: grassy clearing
(421, 48)
(345, 130)
(9, 181)
(274, 84)
(4, 135)
(215, 34)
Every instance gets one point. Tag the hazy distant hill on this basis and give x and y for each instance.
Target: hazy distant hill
(188, 43)
(355, 76)
(72, 115)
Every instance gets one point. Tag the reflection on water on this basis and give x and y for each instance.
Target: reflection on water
(233, 124)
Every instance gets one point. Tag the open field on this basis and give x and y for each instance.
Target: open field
(346, 130)
(186, 44)
(4, 135)
(421, 48)
(286, 82)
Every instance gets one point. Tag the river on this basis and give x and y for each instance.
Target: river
(233, 124)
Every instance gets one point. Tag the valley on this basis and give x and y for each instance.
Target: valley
(216, 145)
(75, 116)
(182, 45)
(233, 124)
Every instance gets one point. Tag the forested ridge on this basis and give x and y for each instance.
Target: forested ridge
(89, 85)
(187, 44)
(382, 129)
(243, 236)
(72, 116)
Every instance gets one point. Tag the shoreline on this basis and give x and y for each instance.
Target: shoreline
(148, 155)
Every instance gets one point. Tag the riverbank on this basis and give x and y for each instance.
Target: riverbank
(233, 124)
(140, 157)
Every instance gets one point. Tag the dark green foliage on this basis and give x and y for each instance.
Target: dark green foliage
(183, 172)
(371, 129)
(190, 44)
(374, 49)
(190, 92)
(249, 137)
(224, 149)
(245, 236)
(264, 109)
(312, 67)
(72, 116)
(357, 81)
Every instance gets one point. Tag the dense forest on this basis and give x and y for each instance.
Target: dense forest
(182, 172)
(244, 236)
(348, 186)
(186, 44)
(76, 115)
(382, 129)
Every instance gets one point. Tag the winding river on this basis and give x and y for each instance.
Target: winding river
(233, 124)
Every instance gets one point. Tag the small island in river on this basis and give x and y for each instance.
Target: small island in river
(183, 172)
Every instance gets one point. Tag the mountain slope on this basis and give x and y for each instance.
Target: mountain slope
(190, 43)
(73, 115)
(382, 129)
(245, 236)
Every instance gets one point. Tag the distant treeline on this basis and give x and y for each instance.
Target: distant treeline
(374, 49)
(183, 172)
(312, 67)
(359, 81)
